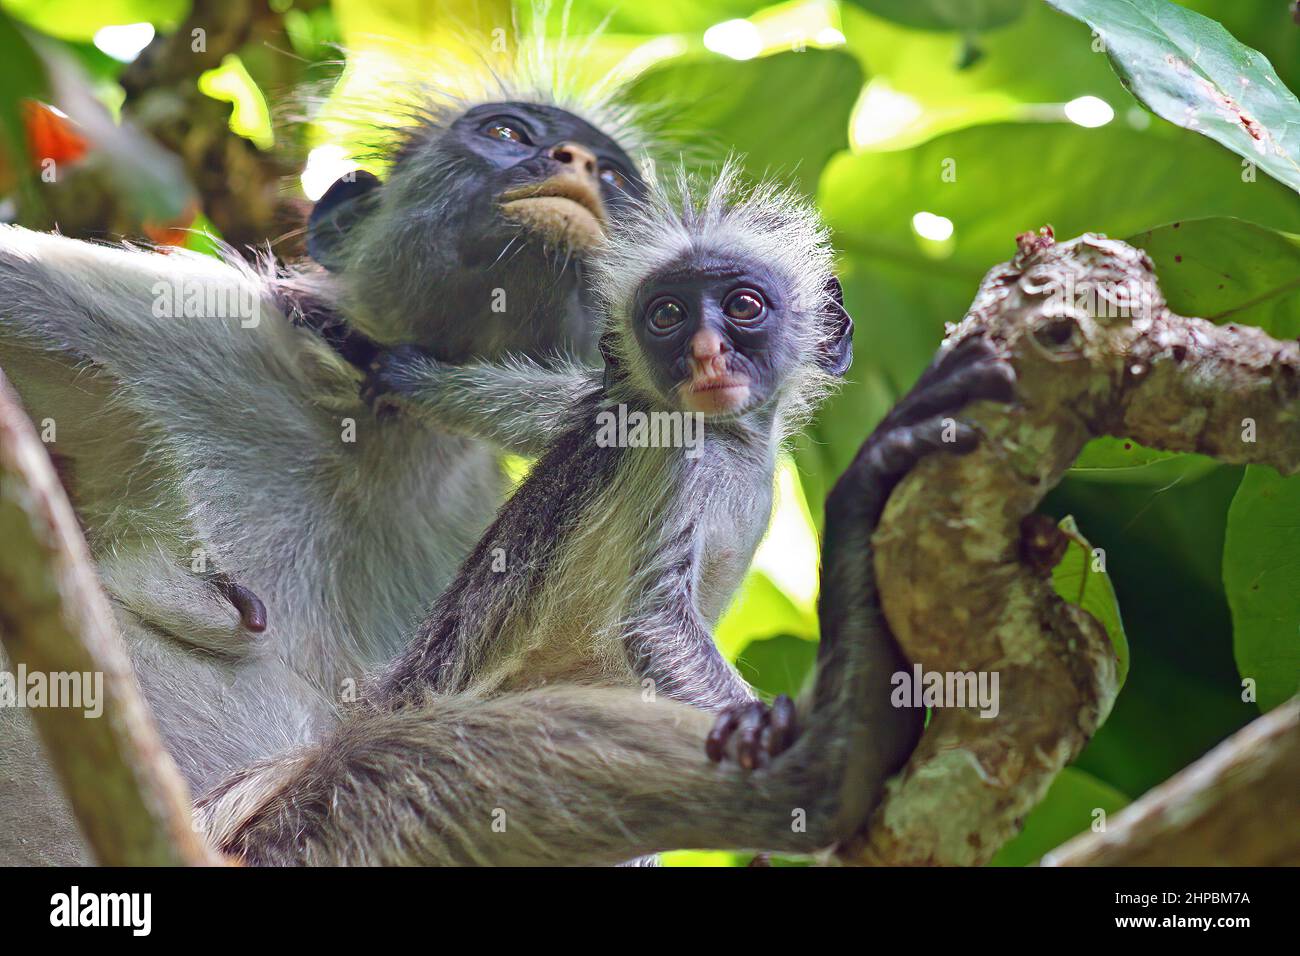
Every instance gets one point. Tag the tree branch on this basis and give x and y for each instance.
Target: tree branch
(1097, 352)
(173, 153)
(1233, 807)
(130, 800)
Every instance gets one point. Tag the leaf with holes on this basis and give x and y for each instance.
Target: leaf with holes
(1110, 459)
(1221, 269)
(1190, 70)
(1228, 270)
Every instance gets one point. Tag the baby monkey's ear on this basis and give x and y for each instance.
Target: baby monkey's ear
(837, 352)
(344, 205)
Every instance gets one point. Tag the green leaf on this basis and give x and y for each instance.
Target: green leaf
(80, 19)
(363, 24)
(231, 83)
(1111, 459)
(204, 237)
(1108, 452)
(755, 106)
(1261, 567)
(22, 76)
(1228, 270)
(778, 665)
(1191, 71)
(919, 88)
(760, 609)
(705, 858)
(1221, 269)
(1110, 180)
(1068, 809)
(1165, 718)
(1268, 27)
(660, 17)
(1081, 579)
(902, 288)
(1164, 554)
(965, 15)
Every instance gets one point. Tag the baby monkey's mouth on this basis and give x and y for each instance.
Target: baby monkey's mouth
(715, 394)
(565, 209)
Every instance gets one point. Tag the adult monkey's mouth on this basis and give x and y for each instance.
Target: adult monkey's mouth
(565, 209)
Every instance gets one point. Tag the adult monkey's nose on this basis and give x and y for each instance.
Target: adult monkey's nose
(577, 157)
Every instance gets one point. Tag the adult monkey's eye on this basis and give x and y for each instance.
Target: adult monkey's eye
(743, 305)
(499, 129)
(664, 315)
(612, 177)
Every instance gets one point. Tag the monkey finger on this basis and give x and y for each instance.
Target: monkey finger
(895, 453)
(715, 744)
(974, 348)
(943, 434)
(991, 381)
(982, 381)
(748, 733)
(766, 743)
(966, 352)
(781, 724)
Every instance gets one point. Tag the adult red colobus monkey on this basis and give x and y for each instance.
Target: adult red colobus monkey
(263, 539)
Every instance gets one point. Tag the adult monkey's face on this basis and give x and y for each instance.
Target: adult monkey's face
(547, 171)
(474, 244)
(495, 173)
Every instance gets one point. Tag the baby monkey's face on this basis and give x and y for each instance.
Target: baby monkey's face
(716, 333)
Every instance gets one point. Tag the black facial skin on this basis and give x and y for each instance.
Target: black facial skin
(757, 348)
(431, 243)
(527, 153)
(498, 164)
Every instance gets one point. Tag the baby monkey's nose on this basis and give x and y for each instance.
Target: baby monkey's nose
(576, 156)
(706, 344)
(706, 358)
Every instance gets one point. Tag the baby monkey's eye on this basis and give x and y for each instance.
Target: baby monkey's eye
(743, 305)
(612, 177)
(498, 129)
(665, 315)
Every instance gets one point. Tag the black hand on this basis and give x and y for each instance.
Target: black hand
(754, 731)
(388, 373)
(924, 421)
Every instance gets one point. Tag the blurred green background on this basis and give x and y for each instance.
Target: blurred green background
(929, 132)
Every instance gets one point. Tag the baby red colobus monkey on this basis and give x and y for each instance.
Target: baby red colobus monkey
(723, 327)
